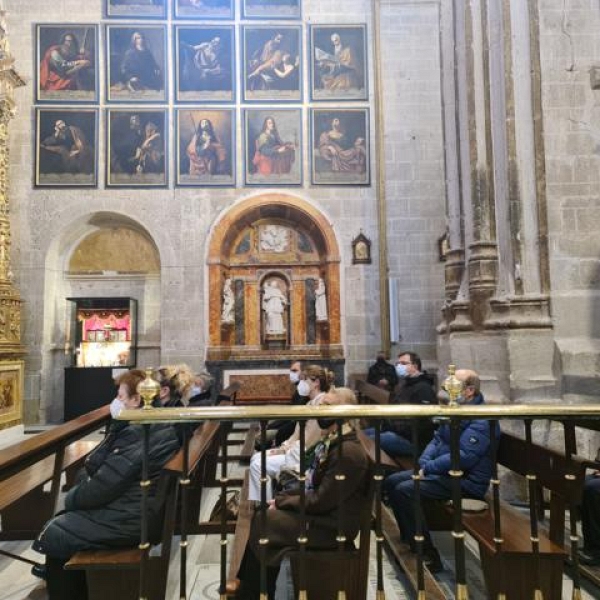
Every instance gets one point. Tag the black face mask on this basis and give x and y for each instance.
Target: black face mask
(326, 423)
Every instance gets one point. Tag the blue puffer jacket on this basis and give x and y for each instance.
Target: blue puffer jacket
(475, 454)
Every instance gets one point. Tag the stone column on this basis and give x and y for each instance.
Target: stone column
(11, 349)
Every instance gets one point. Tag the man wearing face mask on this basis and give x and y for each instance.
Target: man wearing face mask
(435, 462)
(382, 373)
(416, 387)
(325, 492)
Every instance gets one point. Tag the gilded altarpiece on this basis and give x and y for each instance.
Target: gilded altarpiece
(11, 350)
(273, 289)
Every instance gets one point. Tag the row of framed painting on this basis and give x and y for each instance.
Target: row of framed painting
(205, 148)
(271, 64)
(202, 9)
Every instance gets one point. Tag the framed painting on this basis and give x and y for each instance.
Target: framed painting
(340, 146)
(271, 9)
(272, 148)
(66, 142)
(135, 9)
(205, 147)
(204, 64)
(203, 9)
(338, 57)
(11, 389)
(136, 63)
(136, 147)
(66, 63)
(272, 63)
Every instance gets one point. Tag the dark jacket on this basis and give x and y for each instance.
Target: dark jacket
(414, 390)
(382, 370)
(103, 510)
(284, 525)
(475, 454)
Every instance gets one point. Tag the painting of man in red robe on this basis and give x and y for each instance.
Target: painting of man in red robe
(66, 67)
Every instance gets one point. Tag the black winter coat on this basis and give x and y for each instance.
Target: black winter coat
(414, 390)
(103, 510)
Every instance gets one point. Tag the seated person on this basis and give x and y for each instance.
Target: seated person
(284, 523)
(590, 520)
(382, 373)
(175, 385)
(435, 463)
(201, 390)
(416, 387)
(315, 384)
(103, 510)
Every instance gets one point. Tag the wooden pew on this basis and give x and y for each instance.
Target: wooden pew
(26, 467)
(115, 573)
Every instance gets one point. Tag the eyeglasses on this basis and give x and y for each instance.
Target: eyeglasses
(402, 362)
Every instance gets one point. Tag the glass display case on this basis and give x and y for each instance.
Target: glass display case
(103, 332)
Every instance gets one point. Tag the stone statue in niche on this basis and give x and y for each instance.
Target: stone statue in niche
(321, 301)
(227, 315)
(274, 303)
(274, 238)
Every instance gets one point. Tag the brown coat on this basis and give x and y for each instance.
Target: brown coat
(284, 524)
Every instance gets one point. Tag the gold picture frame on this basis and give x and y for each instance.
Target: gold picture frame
(11, 393)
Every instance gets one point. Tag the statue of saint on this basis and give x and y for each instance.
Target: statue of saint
(273, 303)
(228, 303)
(321, 301)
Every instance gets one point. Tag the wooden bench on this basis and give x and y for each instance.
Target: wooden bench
(115, 573)
(26, 502)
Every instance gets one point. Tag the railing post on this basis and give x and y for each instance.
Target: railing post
(495, 482)
(184, 483)
(341, 537)
(264, 481)
(145, 485)
(223, 541)
(303, 539)
(378, 478)
(419, 539)
(535, 540)
(458, 532)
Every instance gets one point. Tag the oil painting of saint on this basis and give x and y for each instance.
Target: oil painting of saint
(339, 62)
(136, 148)
(66, 146)
(271, 9)
(273, 151)
(205, 147)
(136, 64)
(204, 64)
(203, 9)
(67, 67)
(152, 9)
(272, 63)
(340, 153)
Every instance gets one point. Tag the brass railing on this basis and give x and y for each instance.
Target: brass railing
(490, 412)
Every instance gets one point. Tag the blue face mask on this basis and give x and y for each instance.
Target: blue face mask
(401, 370)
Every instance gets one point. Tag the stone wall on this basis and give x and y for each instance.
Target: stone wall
(569, 51)
(48, 223)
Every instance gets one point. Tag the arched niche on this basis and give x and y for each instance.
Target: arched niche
(266, 242)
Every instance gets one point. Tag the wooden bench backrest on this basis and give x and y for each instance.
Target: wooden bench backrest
(371, 394)
(549, 465)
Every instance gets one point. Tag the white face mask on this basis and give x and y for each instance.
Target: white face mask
(303, 388)
(294, 376)
(116, 406)
(195, 390)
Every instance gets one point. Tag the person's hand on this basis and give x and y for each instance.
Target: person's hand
(274, 451)
(421, 473)
(271, 504)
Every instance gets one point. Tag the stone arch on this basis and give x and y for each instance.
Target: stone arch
(236, 250)
(60, 282)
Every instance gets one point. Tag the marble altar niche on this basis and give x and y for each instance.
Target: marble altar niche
(274, 281)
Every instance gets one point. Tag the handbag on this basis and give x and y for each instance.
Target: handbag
(228, 504)
(288, 480)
